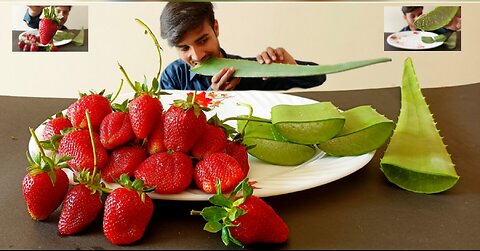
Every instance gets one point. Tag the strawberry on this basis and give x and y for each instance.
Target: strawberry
(116, 129)
(48, 25)
(155, 139)
(97, 105)
(169, 172)
(46, 184)
(213, 140)
(184, 123)
(127, 212)
(243, 220)
(82, 204)
(217, 166)
(55, 126)
(122, 160)
(145, 108)
(77, 144)
(239, 152)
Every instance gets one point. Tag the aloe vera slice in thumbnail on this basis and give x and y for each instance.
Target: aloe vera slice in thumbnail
(253, 69)
(365, 130)
(79, 39)
(429, 40)
(437, 18)
(416, 158)
(451, 42)
(307, 124)
(271, 147)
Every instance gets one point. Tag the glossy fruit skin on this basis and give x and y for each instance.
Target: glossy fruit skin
(77, 144)
(116, 130)
(98, 107)
(212, 140)
(41, 197)
(155, 140)
(47, 29)
(125, 159)
(169, 172)
(239, 152)
(125, 216)
(144, 112)
(260, 224)
(55, 126)
(182, 128)
(217, 166)
(80, 208)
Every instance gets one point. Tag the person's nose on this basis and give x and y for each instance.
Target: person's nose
(197, 54)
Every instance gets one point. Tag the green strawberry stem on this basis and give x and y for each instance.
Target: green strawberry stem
(42, 153)
(126, 76)
(118, 92)
(90, 131)
(135, 185)
(157, 45)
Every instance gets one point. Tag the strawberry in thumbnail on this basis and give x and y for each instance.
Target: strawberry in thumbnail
(48, 26)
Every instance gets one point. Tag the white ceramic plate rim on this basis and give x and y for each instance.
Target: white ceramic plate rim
(415, 34)
(270, 180)
(55, 42)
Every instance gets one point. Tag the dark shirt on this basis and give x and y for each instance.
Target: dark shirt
(34, 22)
(177, 76)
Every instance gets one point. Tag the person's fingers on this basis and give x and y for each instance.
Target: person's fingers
(280, 53)
(232, 84)
(260, 59)
(223, 82)
(272, 53)
(266, 57)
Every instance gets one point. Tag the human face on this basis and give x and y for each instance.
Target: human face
(410, 17)
(199, 44)
(63, 11)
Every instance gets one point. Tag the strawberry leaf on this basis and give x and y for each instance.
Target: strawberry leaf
(220, 200)
(213, 213)
(212, 227)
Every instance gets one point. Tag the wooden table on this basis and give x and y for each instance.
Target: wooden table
(360, 211)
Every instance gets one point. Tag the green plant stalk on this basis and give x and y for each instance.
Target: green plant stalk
(253, 69)
(157, 45)
(416, 158)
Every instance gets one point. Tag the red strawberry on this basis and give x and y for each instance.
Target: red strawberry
(98, 107)
(239, 152)
(48, 26)
(77, 144)
(144, 112)
(155, 139)
(82, 204)
(128, 210)
(55, 126)
(213, 140)
(184, 123)
(168, 172)
(217, 166)
(46, 184)
(116, 130)
(253, 221)
(122, 160)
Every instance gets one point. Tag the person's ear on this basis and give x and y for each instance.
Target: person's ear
(215, 28)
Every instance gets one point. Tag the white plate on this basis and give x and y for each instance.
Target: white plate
(55, 42)
(412, 40)
(270, 179)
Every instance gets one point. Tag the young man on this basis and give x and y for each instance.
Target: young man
(193, 30)
(33, 13)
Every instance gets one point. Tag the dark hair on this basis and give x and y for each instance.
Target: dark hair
(179, 17)
(408, 9)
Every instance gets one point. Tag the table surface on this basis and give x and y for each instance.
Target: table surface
(388, 47)
(360, 211)
(70, 47)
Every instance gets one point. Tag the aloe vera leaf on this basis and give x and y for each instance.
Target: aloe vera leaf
(78, 40)
(451, 42)
(416, 158)
(307, 124)
(427, 39)
(253, 69)
(271, 147)
(440, 38)
(63, 35)
(437, 18)
(365, 130)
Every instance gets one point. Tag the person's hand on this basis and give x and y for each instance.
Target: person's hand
(456, 23)
(278, 55)
(223, 81)
(35, 10)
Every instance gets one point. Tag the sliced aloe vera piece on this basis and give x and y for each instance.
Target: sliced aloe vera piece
(79, 39)
(365, 130)
(451, 42)
(437, 18)
(429, 40)
(308, 124)
(416, 158)
(252, 69)
(271, 147)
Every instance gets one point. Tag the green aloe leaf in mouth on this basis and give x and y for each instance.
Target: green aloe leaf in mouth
(416, 159)
(253, 69)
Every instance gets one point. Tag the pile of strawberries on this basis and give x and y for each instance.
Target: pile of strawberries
(144, 149)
